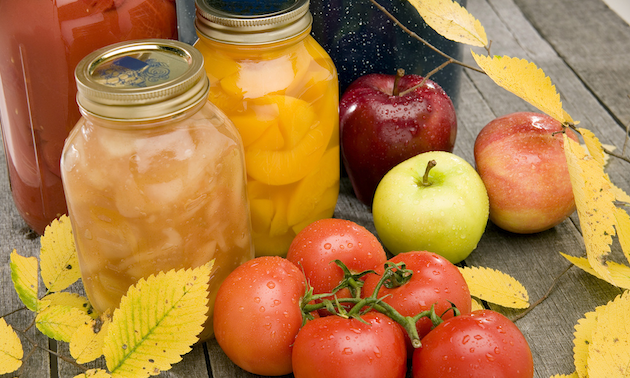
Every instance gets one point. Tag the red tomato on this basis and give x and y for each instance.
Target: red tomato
(435, 281)
(481, 344)
(257, 314)
(336, 347)
(315, 248)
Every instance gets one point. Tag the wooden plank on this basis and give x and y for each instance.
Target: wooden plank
(15, 235)
(534, 259)
(593, 40)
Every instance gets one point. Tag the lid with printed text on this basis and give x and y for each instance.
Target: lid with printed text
(250, 22)
(141, 80)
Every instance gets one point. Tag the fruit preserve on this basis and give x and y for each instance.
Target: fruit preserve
(280, 88)
(153, 173)
(41, 42)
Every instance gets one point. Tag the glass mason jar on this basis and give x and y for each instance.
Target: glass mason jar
(153, 173)
(41, 42)
(280, 88)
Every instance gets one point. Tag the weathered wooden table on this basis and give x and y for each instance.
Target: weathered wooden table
(585, 48)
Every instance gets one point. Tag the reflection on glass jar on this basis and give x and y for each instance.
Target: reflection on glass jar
(154, 174)
(279, 87)
(41, 42)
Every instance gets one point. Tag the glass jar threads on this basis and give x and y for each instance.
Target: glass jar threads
(153, 173)
(280, 88)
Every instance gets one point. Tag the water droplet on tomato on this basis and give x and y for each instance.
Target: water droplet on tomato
(347, 351)
(377, 352)
(271, 284)
(489, 357)
(466, 339)
(327, 246)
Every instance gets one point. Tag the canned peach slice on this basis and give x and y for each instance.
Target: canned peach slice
(271, 139)
(223, 101)
(262, 211)
(266, 245)
(309, 191)
(288, 166)
(219, 65)
(258, 79)
(325, 208)
(296, 117)
(279, 225)
(251, 124)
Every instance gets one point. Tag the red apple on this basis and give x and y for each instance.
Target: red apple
(520, 158)
(382, 123)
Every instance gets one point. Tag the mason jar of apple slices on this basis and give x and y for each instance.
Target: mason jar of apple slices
(280, 88)
(153, 173)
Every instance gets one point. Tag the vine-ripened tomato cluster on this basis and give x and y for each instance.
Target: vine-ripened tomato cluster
(337, 307)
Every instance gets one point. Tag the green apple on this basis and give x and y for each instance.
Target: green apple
(434, 201)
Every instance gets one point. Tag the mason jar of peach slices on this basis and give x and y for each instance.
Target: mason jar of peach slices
(280, 88)
(153, 173)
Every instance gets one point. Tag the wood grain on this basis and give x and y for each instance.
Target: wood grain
(584, 48)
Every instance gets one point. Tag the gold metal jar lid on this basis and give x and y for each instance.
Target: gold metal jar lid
(252, 22)
(141, 80)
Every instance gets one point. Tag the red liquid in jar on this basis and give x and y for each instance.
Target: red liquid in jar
(41, 42)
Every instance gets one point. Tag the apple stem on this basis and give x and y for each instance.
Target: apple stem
(399, 74)
(425, 178)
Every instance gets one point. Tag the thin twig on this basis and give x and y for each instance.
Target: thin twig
(425, 42)
(618, 156)
(542, 299)
(13, 312)
(427, 76)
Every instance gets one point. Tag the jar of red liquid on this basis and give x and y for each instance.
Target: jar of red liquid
(41, 43)
(153, 173)
(280, 88)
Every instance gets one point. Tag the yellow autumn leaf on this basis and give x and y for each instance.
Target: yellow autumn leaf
(583, 339)
(620, 273)
(94, 373)
(25, 279)
(11, 351)
(609, 352)
(58, 256)
(60, 322)
(476, 304)
(623, 231)
(594, 146)
(595, 205)
(158, 321)
(452, 21)
(64, 298)
(495, 287)
(526, 81)
(87, 342)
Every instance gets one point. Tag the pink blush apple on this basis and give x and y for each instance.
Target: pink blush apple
(382, 124)
(524, 169)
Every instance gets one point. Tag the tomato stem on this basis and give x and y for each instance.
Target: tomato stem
(394, 275)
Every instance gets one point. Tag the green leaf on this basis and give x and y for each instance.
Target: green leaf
(158, 321)
(11, 351)
(60, 322)
(58, 256)
(25, 280)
